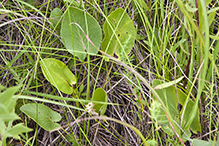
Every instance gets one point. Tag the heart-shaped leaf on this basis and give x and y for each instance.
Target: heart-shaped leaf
(120, 34)
(100, 96)
(42, 115)
(58, 74)
(79, 32)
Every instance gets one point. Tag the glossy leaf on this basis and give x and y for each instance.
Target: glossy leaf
(42, 115)
(100, 96)
(120, 34)
(58, 74)
(78, 30)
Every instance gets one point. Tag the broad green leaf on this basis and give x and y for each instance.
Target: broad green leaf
(6, 96)
(7, 104)
(168, 84)
(55, 17)
(197, 142)
(9, 117)
(158, 114)
(186, 115)
(120, 34)
(79, 32)
(186, 135)
(172, 96)
(42, 115)
(168, 96)
(2, 127)
(11, 105)
(58, 74)
(101, 96)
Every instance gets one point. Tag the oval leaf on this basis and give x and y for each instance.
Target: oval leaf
(42, 115)
(123, 27)
(78, 30)
(58, 74)
(100, 96)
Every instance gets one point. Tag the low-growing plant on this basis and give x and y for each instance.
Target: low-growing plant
(163, 61)
(8, 116)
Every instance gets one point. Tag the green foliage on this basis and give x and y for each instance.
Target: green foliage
(198, 142)
(80, 33)
(191, 7)
(42, 115)
(173, 37)
(168, 84)
(73, 2)
(171, 97)
(120, 34)
(7, 116)
(58, 74)
(32, 2)
(100, 95)
(70, 138)
(55, 18)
